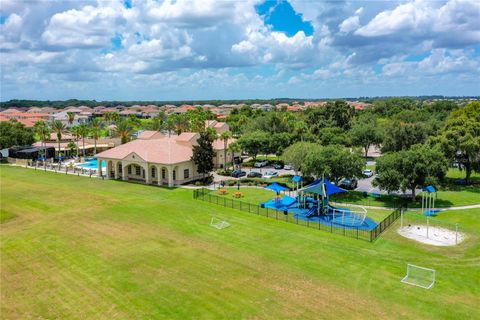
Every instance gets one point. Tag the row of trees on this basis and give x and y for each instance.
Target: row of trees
(332, 161)
(458, 141)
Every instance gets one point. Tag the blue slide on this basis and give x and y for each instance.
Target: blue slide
(312, 212)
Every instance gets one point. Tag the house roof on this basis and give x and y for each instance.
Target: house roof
(149, 134)
(26, 122)
(219, 145)
(164, 150)
(10, 110)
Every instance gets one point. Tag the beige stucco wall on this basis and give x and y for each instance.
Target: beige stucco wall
(146, 174)
(218, 159)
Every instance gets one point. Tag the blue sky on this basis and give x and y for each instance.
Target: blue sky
(176, 50)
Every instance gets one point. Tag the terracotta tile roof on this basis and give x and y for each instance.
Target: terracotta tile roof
(166, 150)
(10, 110)
(149, 134)
(219, 145)
(29, 123)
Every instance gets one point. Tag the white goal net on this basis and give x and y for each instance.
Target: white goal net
(419, 276)
(219, 224)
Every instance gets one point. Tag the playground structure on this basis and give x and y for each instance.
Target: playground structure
(312, 204)
(429, 194)
(428, 230)
(322, 188)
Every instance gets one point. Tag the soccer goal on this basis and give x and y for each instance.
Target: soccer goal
(419, 276)
(219, 224)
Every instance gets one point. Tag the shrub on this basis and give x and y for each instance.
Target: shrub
(222, 172)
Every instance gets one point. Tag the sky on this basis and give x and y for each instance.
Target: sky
(199, 50)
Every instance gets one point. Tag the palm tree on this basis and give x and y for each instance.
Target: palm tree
(225, 136)
(123, 130)
(197, 122)
(182, 124)
(43, 131)
(58, 127)
(83, 131)
(95, 130)
(234, 147)
(158, 121)
(71, 117)
(76, 133)
(300, 128)
(170, 124)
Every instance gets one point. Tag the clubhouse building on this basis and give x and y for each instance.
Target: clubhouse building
(158, 158)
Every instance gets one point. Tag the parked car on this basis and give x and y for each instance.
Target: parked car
(288, 167)
(278, 166)
(238, 174)
(261, 164)
(270, 174)
(254, 174)
(349, 184)
(368, 173)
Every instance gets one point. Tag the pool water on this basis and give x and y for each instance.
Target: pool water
(92, 164)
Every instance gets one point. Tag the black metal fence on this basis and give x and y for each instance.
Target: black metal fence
(352, 232)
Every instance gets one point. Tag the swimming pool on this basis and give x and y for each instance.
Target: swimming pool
(92, 164)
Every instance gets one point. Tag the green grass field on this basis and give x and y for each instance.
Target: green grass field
(77, 248)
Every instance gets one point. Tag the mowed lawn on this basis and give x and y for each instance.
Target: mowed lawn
(78, 248)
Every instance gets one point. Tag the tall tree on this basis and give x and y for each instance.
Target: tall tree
(410, 169)
(460, 139)
(95, 131)
(225, 136)
(58, 128)
(296, 153)
(123, 131)
(13, 133)
(402, 135)
(43, 131)
(76, 133)
(300, 129)
(170, 124)
(70, 117)
(83, 131)
(203, 154)
(158, 122)
(334, 162)
(341, 113)
(234, 148)
(365, 133)
(254, 143)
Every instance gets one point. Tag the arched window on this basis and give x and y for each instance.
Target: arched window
(153, 172)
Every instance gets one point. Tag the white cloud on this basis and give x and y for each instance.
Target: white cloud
(70, 41)
(10, 32)
(350, 24)
(90, 27)
(456, 21)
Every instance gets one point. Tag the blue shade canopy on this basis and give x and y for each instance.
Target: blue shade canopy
(297, 179)
(317, 187)
(276, 187)
(430, 189)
